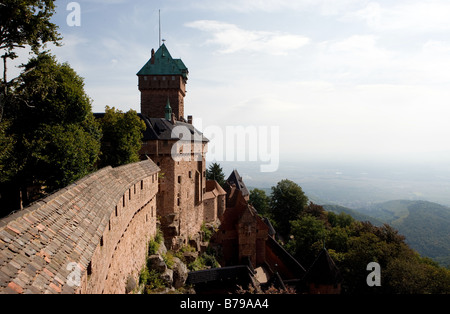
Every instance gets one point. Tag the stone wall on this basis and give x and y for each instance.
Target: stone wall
(180, 200)
(155, 90)
(87, 238)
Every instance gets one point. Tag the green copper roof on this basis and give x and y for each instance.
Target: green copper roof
(162, 63)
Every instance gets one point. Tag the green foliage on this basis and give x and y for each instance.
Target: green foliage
(353, 245)
(7, 144)
(204, 261)
(259, 199)
(308, 234)
(207, 232)
(153, 245)
(63, 154)
(27, 22)
(215, 172)
(122, 137)
(424, 224)
(151, 280)
(51, 127)
(287, 203)
(169, 259)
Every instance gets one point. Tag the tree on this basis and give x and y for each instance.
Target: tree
(25, 22)
(7, 145)
(259, 199)
(122, 137)
(56, 139)
(287, 203)
(64, 154)
(308, 236)
(215, 172)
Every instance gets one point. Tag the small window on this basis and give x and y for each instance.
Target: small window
(142, 184)
(101, 241)
(89, 269)
(135, 189)
(179, 179)
(190, 174)
(179, 201)
(123, 200)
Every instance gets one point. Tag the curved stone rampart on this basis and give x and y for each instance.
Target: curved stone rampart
(89, 237)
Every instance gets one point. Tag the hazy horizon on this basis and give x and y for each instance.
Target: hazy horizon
(354, 184)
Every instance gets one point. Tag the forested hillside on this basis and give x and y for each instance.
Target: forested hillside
(304, 228)
(425, 225)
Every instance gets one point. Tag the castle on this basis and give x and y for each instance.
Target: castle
(92, 236)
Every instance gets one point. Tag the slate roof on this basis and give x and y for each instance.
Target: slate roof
(38, 243)
(161, 129)
(323, 270)
(294, 266)
(162, 63)
(236, 179)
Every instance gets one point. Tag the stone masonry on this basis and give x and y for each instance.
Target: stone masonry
(90, 237)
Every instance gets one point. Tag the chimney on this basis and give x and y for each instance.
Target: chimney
(190, 119)
(153, 56)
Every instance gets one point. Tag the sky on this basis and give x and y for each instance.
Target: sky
(337, 79)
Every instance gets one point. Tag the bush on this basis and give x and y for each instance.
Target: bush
(151, 280)
(204, 261)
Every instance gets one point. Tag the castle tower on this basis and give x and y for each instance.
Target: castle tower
(163, 78)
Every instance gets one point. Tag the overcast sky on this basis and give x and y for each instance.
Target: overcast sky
(340, 78)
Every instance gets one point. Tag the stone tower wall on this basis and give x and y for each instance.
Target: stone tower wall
(155, 90)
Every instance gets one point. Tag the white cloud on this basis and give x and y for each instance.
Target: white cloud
(412, 16)
(233, 39)
(324, 7)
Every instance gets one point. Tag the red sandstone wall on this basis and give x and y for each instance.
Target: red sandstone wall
(154, 93)
(122, 252)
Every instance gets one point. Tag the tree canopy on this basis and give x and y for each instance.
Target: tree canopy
(287, 202)
(352, 244)
(24, 22)
(259, 199)
(122, 137)
(55, 137)
(27, 22)
(215, 172)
